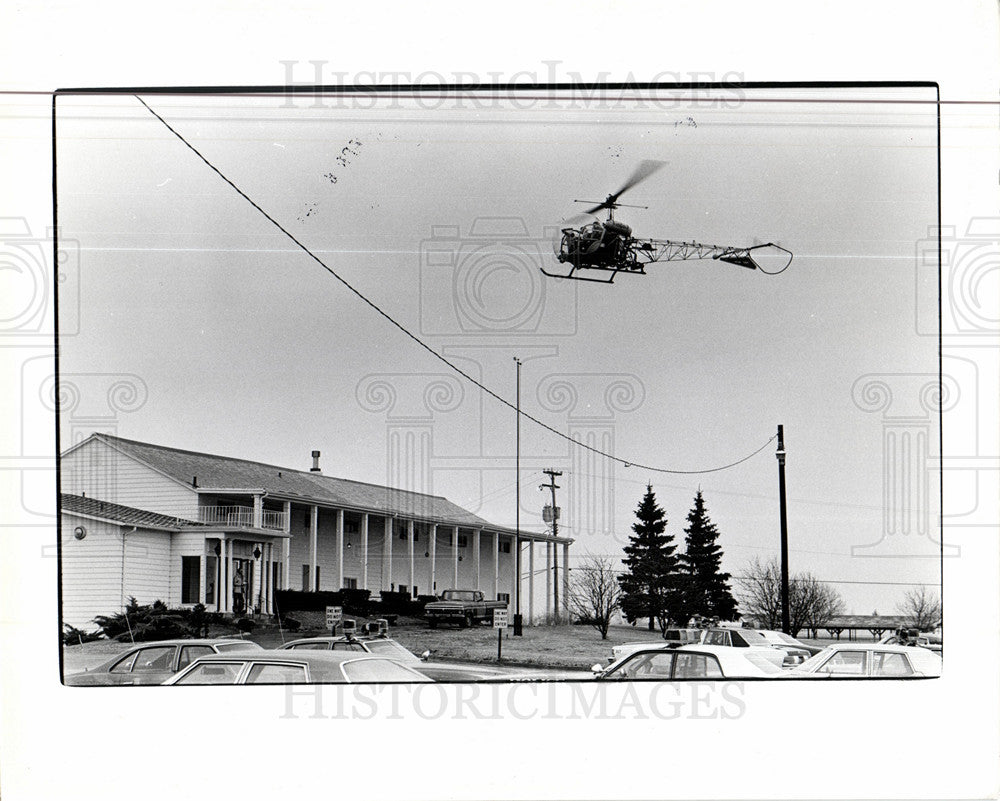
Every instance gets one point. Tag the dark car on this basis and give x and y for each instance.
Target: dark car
(288, 667)
(389, 648)
(154, 662)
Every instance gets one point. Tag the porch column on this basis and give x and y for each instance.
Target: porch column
(364, 551)
(219, 574)
(202, 575)
(265, 559)
(433, 552)
(227, 554)
(475, 554)
(566, 580)
(531, 582)
(313, 530)
(390, 532)
(454, 557)
(496, 564)
(548, 582)
(340, 549)
(286, 526)
(410, 530)
(258, 511)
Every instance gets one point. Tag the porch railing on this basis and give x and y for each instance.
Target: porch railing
(241, 516)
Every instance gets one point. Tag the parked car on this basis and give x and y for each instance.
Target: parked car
(687, 662)
(464, 607)
(932, 642)
(670, 636)
(870, 661)
(288, 667)
(743, 638)
(154, 662)
(391, 649)
(795, 652)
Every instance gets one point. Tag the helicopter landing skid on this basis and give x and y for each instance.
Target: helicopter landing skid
(571, 275)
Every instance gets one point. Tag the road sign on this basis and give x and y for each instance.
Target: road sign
(499, 618)
(334, 614)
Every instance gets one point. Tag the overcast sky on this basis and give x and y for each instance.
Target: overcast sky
(248, 348)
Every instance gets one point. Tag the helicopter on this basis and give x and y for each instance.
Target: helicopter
(609, 247)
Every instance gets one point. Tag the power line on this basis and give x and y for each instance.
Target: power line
(375, 307)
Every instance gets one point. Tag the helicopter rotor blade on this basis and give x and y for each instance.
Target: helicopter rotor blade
(644, 169)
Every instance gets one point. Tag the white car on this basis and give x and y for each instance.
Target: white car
(690, 662)
(670, 637)
(870, 661)
(796, 652)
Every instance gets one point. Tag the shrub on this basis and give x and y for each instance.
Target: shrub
(75, 636)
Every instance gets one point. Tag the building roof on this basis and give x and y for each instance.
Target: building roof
(115, 512)
(225, 473)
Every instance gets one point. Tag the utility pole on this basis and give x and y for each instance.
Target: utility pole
(780, 454)
(555, 532)
(518, 631)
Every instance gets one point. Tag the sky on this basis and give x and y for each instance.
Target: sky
(242, 345)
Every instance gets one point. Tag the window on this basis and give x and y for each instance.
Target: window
(350, 528)
(503, 596)
(317, 578)
(211, 574)
(347, 646)
(277, 674)
(402, 588)
(717, 638)
(505, 546)
(350, 583)
(310, 646)
(212, 673)
(305, 577)
(848, 663)
(886, 664)
(190, 579)
(123, 665)
(191, 652)
(697, 666)
(655, 665)
(463, 541)
(150, 659)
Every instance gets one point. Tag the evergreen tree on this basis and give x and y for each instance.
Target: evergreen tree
(649, 585)
(706, 589)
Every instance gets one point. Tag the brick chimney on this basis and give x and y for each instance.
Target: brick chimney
(315, 467)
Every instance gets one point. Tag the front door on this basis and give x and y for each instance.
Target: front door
(242, 578)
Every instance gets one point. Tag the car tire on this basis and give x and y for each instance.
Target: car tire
(466, 621)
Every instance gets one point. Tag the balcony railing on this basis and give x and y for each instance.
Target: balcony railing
(241, 516)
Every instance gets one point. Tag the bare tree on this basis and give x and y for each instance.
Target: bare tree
(595, 594)
(921, 608)
(758, 592)
(814, 603)
(811, 603)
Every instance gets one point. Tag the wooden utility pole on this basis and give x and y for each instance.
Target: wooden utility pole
(780, 454)
(555, 532)
(517, 525)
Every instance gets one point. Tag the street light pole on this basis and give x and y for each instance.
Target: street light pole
(780, 454)
(517, 517)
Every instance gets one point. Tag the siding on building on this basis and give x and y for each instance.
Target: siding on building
(97, 470)
(92, 575)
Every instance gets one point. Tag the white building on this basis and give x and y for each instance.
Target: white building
(160, 523)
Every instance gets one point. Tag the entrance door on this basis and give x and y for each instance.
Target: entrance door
(242, 582)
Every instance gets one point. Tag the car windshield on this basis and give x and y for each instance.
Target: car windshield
(391, 649)
(762, 662)
(458, 595)
(379, 670)
(237, 646)
(751, 636)
(212, 673)
(785, 638)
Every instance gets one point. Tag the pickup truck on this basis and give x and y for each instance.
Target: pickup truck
(465, 607)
